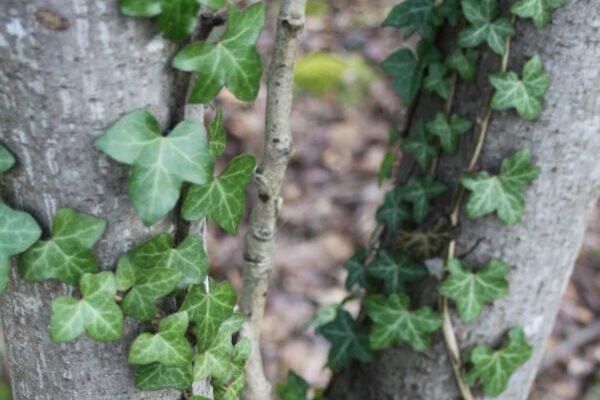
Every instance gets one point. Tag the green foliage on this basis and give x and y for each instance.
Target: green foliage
(385, 171)
(68, 255)
(494, 368)
(323, 315)
(464, 62)
(214, 361)
(216, 134)
(394, 211)
(6, 159)
(420, 146)
(419, 192)
(427, 241)
(356, 270)
(394, 322)
(472, 290)
(160, 164)
(294, 388)
(157, 376)
(502, 193)
(223, 198)
(232, 62)
(395, 270)
(233, 323)
(540, 11)
(18, 231)
(415, 16)
(447, 131)
(232, 390)
(525, 95)
(437, 81)
(96, 313)
(484, 27)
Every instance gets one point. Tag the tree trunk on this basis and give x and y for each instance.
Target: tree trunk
(69, 69)
(542, 248)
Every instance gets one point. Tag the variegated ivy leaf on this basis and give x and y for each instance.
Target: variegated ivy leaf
(347, 342)
(419, 192)
(96, 313)
(394, 322)
(540, 11)
(168, 346)
(447, 131)
(356, 270)
(189, 257)
(420, 146)
(394, 211)
(294, 388)
(68, 255)
(502, 193)
(6, 159)
(437, 81)
(157, 376)
(494, 368)
(216, 134)
(525, 95)
(18, 231)
(159, 164)
(208, 308)
(415, 16)
(484, 27)
(395, 270)
(232, 62)
(471, 290)
(464, 62)
(223, 198)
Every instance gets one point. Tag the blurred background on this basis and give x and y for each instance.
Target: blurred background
(343, 108)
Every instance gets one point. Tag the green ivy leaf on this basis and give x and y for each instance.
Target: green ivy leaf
(448, 131)
(159, 164)
(393, 212)
(125, 273)
(294, 388)
(157, 376)
(222, 199)
(407, 73)
(494, 368)
(141, 8)
(189, 257)
(385, 171)
(216, 134)
(394, 322)
(18, 231)
(420, 146)
(464, 62)
(356, 270)
(214, 361)
(68, 255)
(233, 61)
(346, 342)
(168, 346)
(415, 15)
(502, 193)
(323, 316)
(6, 159)
(540, 11)
(437, 81)
(483, 28)
(232, 324)
(149, 286)
(472, 290)
(419, 192)
(96, 313)
(232, 391)
(451, 10)
(526, 95)
(208, 309)
(428, 241)
(395, 269)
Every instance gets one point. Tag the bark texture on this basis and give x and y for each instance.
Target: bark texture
(68, 70)
(542, 248)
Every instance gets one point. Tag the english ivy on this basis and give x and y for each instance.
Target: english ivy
(394, 211)
(464, 62)
(6, 159)
(356, 270)
(216, 134)
(540, 11)
(447, 131)
(420, 145)
(415, 16)
(157, 376)
(484, 26)
(420, 192)
(395, 269)
(437, 80)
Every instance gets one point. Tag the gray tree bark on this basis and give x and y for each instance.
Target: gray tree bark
(542, 248)
(69, 69)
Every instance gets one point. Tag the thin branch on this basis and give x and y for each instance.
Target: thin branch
(268, 178)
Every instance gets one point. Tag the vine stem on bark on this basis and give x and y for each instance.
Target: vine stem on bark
(268, 177)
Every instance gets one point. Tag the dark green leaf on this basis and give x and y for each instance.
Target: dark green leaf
(323, 315)
(157, 376)
(395, 269)
(483, 28)
(427, 241)
(419, 192)
(420, 146)
(437, 81)
(451, 10)
(393, 212)
(356, 270)
(407, 73)
(448, 131)
(464, 62)
(295, 388)
(415, 15)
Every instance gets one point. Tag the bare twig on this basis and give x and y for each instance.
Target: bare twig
(268, 178)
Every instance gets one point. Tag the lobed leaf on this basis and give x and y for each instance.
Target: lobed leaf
(447, 131)
(540, 11)
(419, 192)
(416, 16)
(216, 134)
(420, 146)
(157, 376)
(484, 27)
(394, 211)
(464, 62)
(395, 270)
(6, 159)
(436, 81)
(355, 267)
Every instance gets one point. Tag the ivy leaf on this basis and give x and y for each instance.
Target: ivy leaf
(157, 376)
(159, 164)
(169, 346)
(419, 192)
(141, 8)
(394, 322)
(232, 324)
(483, 28)
(428, 241)
(68, 255)
(407, 73)
(448, 131)
(472, 290)
(214, 361)
(208, 309)
(420, 146)
(395, 269)
(6, 159)
(216, 134)
(436, 81)
(450, 9)
(294, 388)
(540, 11)
(385, 171)
(18, 231)
(222, 199)
(125, 273)
(346, 342)
(232, 391)
(189, 257)
(415, 15)
(494, 368)
(356, 270)
(463, 62)
(323, 316)
(526, 95)
(502, 193)
(149, 286)
(96, 313)
(233, 61)
(393, 212)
